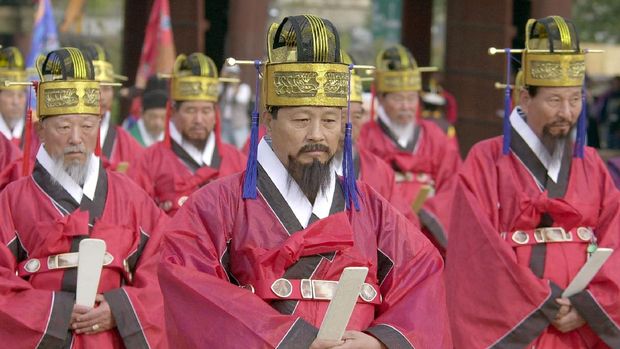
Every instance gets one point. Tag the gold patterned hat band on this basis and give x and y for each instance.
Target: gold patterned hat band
(356, 88)
(194, 88)
(400, 81)
(552, 69)
(194, 78)
(306, 84)
(68, 97)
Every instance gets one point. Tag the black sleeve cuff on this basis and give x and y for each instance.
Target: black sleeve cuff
(300, 335)
(389, 336)
(533, 326)
(596, 317)
(57, 332)
(127, 322)
(433, 225)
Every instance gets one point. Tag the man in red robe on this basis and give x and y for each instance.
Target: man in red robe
(192, 153)
(8, 153)
(529, 212)
(420, 153)
(69, 197)
(119, 149)
(368, 167)
(243, 249)
(12, 98)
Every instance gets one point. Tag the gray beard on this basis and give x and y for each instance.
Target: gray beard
(75, 170)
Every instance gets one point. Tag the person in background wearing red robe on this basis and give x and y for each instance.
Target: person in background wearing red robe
(8, 154)
(69, 197)
(424, 158)
(530, 207)
(12, 98)
(239, 250)
(119, 150)
(192, 153)
(369, 168)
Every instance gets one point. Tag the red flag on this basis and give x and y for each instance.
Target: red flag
(158, 52)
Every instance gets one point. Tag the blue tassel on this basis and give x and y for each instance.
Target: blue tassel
(348, 171)
(249, 181)
(507, 105)
(580, 142)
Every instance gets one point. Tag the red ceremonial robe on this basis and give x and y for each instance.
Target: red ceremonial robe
(8, 152)
(120, 150)
(219, 240)
(9, 155)
(430, 158)
(40, 218)
(169, 174)
(501, 294)
(375, 172)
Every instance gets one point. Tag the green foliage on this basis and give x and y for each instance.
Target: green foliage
(597, 20)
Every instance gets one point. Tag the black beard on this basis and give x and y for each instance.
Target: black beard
(550, 141)
(311, 177)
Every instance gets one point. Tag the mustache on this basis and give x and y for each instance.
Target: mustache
(80, 148)
(560, 123)
(313, 147)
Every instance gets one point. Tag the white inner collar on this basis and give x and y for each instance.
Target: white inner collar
(404, 134)
(552, 162)
(74, 189)
(147, 138)
(17, 130)
(103, 129)
(202, 157)
(295, 198)
(337, 161)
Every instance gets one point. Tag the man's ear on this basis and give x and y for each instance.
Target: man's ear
(524, 99)
(267, 120)
(38, 126)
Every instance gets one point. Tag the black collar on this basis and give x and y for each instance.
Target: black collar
(523, 151)
(191, 164)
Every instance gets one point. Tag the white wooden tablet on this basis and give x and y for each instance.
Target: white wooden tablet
(90, 262)
(341, 306)
(587, 272)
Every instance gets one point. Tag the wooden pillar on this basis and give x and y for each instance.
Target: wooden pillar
(417, 19)
(188, 25)
(136, 18)
(470, 73)
(247, 29)
(544, 8)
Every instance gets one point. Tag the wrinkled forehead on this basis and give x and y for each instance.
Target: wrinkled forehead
(72, 118)
(569, 91)
(310, 111)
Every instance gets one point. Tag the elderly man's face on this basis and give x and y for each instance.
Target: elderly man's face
(13, 105)
(305, 134)
(195, 120)
(553, 111)
(400, 107)
(305, 140)
(70, 137)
